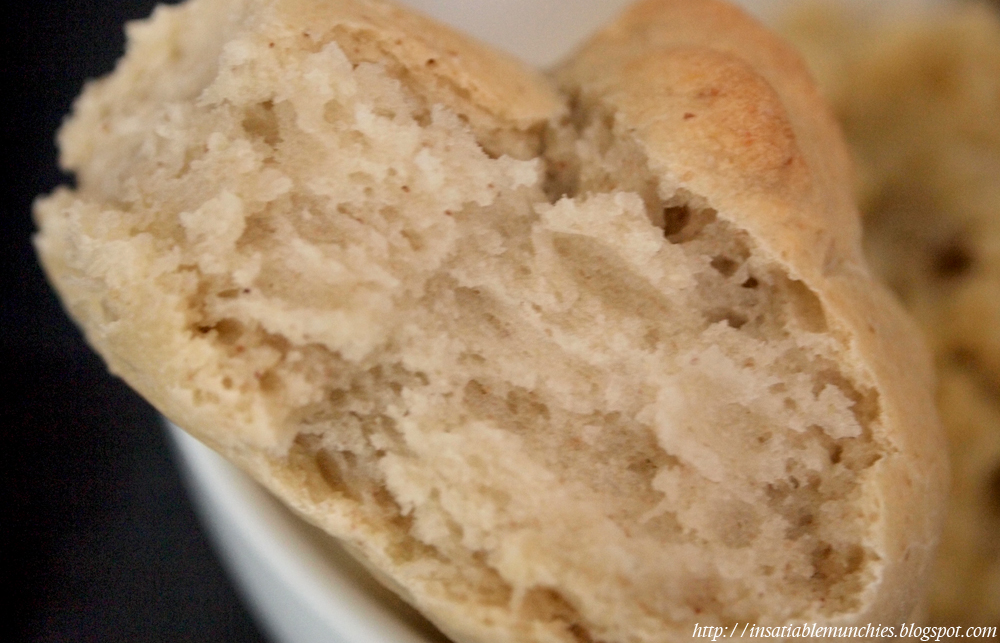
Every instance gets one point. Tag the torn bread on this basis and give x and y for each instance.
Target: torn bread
(588, 365)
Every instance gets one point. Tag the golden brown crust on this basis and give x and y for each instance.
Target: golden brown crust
(750, 95)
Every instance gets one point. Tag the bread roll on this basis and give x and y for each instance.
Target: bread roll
(595, 364)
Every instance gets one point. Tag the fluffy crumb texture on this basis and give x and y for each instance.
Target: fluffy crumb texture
(920, 104)
(580, 367)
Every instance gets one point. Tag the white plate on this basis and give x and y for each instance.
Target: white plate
(300, 584)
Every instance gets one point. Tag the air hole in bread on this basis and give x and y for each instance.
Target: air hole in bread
(330, 466)
(832, 563)
(260, 121)
(228, 331)
(675, 219)
(725, 265)
(268, 381)
(953, 260)
(682, 223)
(734, 319)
